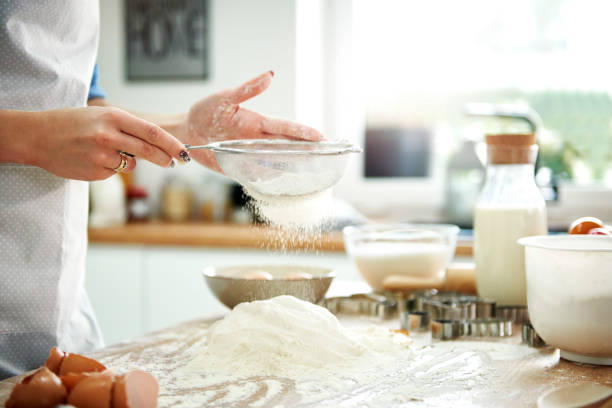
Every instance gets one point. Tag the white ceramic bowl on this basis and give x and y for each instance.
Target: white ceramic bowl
(385, 252)
(569, 294)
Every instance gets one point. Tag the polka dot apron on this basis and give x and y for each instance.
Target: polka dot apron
(47, 55)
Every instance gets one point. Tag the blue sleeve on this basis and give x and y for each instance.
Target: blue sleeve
(95, 90)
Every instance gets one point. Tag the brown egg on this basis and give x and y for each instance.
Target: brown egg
(94, 391)
(40, 390)
(297, 276)
(136, 389)
(258, 275)
(76, 363)
(584, 225)
(55, 359)
(70, 380)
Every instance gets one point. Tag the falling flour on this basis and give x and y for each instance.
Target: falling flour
(291, 338)
(306, 212)
(288, 200)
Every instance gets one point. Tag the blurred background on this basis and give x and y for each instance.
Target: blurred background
(397, 77)
(393, 76)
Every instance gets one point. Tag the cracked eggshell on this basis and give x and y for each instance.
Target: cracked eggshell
(136, 389)
(42, 389)
(76, 363)
(93, 391)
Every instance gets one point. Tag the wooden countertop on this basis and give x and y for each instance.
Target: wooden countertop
(224, 236)
(482, 372)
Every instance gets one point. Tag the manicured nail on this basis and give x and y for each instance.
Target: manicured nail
(185, 156)
(271, 73)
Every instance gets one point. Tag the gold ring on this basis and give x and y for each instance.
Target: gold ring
(124, 163)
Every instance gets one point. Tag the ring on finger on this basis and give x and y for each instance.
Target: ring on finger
(124, 164)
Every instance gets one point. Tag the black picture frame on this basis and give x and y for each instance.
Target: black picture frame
(167, 39)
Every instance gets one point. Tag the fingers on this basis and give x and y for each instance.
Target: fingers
(157, 145)
(114, 162)
(287, 128)
(140, 148)
(254, 125)
(251, 88)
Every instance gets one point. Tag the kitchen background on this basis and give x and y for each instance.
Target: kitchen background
(392, 76)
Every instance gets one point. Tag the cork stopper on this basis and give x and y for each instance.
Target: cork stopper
(511, 148)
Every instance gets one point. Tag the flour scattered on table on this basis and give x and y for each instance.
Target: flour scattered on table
(287, 352)
(291, 338)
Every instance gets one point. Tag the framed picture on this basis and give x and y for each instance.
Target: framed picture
(167, 39)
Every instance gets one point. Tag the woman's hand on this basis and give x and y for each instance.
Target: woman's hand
(84, 143)
(220, 117)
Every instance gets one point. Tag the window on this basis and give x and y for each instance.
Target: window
(407, 68)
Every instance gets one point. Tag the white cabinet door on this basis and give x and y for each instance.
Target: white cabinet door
(113, 279)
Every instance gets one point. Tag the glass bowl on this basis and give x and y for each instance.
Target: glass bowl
(383, 253)
(283, 167)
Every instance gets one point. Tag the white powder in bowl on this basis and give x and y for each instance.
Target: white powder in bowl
(291, 338)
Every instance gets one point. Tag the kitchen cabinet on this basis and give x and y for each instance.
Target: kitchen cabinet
(113, 280)
(135, 289)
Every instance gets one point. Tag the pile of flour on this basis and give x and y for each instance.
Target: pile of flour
(290, 338)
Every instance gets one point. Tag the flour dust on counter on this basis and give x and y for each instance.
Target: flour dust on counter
(290, 352)
(468, 373)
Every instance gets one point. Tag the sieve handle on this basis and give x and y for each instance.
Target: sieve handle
(190, 147)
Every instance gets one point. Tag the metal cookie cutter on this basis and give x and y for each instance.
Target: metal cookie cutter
(444, 329)
(517, 314)
(448, 310)
(530, 337)
(368, 304)
(416, 322)
(455, 306)
(485, 309)
(490, 327)
(412, 301)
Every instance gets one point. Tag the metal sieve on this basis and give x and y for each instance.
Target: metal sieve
(282, 167)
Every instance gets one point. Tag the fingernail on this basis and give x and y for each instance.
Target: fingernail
(271, 73)
(185, 156)
(172, 164)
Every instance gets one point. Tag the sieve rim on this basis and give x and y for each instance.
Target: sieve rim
(332, 148)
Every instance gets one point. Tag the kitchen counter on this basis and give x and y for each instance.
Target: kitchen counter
(476, 377)
(223, 236)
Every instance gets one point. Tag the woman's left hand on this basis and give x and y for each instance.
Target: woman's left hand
(220, 117)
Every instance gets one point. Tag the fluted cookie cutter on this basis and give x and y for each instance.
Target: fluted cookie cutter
(531, 337)
(368, 304)
(416, 322)
(453, 307)
(490, 328)
(445, 329)
(517, 314)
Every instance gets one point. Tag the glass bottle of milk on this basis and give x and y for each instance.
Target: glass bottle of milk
(509, 207)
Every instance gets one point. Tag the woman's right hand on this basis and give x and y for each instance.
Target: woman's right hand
(84, 143)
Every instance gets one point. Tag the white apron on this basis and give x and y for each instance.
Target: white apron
(47, 55)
